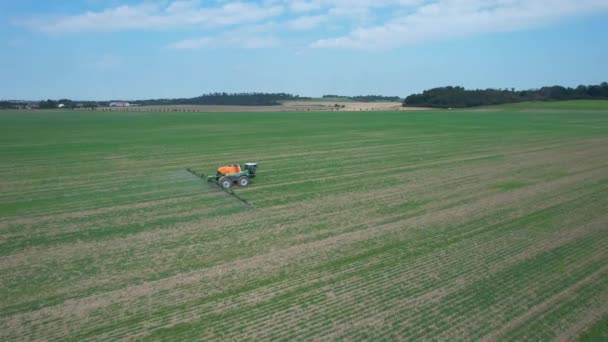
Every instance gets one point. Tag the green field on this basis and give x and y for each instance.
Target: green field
(367, 225)
(573, 105)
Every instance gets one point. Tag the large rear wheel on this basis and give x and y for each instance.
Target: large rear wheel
(243, 181)
(225, 182)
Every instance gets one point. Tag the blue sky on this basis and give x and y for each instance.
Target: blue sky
(107, 49)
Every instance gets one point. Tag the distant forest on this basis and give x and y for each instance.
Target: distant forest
(220, 99)
(458, 97)
(225, 99)
(444, 97)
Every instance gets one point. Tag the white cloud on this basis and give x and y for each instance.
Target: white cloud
(368, 23)
(314, 13)
(153, 16)
(307, 22)
(305, 6)
(346, 5)
(454, 18)
(255, 36)
(230, 40)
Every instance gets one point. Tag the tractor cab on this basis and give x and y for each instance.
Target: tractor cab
(251, 167)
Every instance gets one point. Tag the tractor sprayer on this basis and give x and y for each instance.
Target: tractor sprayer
(227, 176)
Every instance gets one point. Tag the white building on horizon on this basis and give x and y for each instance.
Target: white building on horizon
(120, 104)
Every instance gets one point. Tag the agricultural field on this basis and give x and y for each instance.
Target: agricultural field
(573, 105)
(367, 225)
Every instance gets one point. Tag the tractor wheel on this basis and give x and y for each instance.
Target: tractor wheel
(225, 182)
(243, 181)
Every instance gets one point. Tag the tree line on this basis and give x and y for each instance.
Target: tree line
(8, 105)
(220, 99)
(443, 97)
(67, 103)
(225, 99)
(459, 97)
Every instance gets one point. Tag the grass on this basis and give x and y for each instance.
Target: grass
(378, 225)
(511, 185)
(558, 105)
(598, 332)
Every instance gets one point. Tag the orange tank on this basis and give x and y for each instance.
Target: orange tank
(226, 170)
